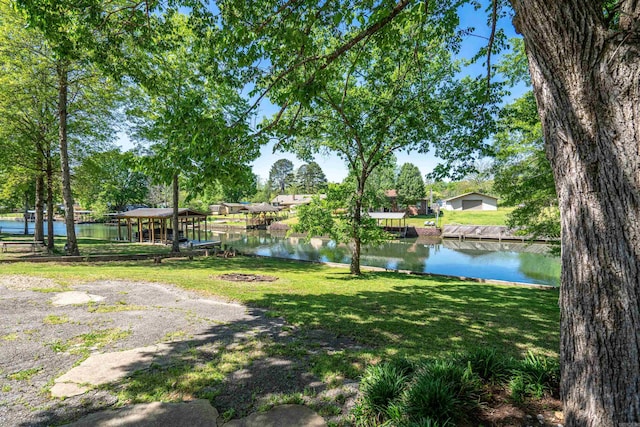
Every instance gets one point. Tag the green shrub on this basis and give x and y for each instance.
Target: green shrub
(381, 386)
(534, 376)
(487, 363)
(443, 391)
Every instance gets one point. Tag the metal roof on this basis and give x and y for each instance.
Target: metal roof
(260, 208)
(387, 215)
(468, 194)
(159, 213)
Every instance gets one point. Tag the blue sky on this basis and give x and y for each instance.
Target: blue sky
(335, 169)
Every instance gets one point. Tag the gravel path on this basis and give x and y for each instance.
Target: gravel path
(42, 337)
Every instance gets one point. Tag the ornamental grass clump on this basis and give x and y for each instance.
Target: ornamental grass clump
(381, 386)
(534, 376)
(490, 365)
(435, 394)
(446, 392)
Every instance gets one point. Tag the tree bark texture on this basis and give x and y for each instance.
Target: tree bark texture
(586, 79)
(67, 196)
(25, 214)
(175, 244)
(38, 231)
(357, 220)
(50, 212)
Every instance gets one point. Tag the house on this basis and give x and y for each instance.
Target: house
(471, 202)
(288, 201)
(231, 208)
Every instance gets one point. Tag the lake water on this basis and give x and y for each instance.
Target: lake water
(515, 262)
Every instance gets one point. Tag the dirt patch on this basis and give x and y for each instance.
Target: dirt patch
(501, 411)
(26, 283)
(240, 277)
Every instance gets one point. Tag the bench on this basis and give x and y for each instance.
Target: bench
(34, 246)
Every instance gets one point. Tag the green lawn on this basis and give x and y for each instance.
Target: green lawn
(497, 217)
(88, 246)
(387, 313)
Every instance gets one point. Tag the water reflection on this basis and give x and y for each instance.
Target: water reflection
(515, 262)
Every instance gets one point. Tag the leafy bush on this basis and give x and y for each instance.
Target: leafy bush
(533, 377)
(487, 363)
(381, 386)
(441, 393)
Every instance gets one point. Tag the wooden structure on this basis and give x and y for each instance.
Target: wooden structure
(231, 208)
(154, 224)
(260, 216)
(393, 222)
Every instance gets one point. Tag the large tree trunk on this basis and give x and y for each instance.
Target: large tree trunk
(586, 82)
(175, 244)
(25, 214)
(50, 213)
(67, 196)
(38, 231)
(356, 240)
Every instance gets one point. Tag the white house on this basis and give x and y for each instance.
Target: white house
(471, 202)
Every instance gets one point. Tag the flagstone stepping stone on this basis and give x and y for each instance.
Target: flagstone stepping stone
(281, 416)
(75, 297)
(106, 368)
(195, 413)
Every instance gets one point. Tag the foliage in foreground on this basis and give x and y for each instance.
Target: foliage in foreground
(442, 392)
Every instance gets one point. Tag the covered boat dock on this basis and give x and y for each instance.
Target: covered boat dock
(260, 216)
(154, 224)
(392, 222)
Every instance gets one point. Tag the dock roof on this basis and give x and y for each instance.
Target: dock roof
(259, 208)
(387, 215)
(160, 213)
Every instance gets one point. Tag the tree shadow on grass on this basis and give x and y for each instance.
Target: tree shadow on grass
(241, 365)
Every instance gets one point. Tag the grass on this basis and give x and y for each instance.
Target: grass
(389, 315)
(498, 217)
(444, 392)
(88, 246)
(24, 375)
(85, 343)
(395, 314)
(52, 319)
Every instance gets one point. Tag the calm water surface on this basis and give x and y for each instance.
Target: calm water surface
(514, 262)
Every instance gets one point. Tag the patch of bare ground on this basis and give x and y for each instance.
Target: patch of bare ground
(501, 411)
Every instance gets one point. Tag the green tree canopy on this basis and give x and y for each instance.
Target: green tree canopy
(109, 181)
(310, 178)
(281, 175)
(409, 185)
(377, 100)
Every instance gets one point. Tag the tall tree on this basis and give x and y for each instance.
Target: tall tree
(64, 29)
(378, 102)
(584, 60)
(310, 178)
(190, 113)
(281, 175)
(409, 185)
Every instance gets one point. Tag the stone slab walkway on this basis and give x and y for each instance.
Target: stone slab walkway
(106, 368)
(196, 413)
